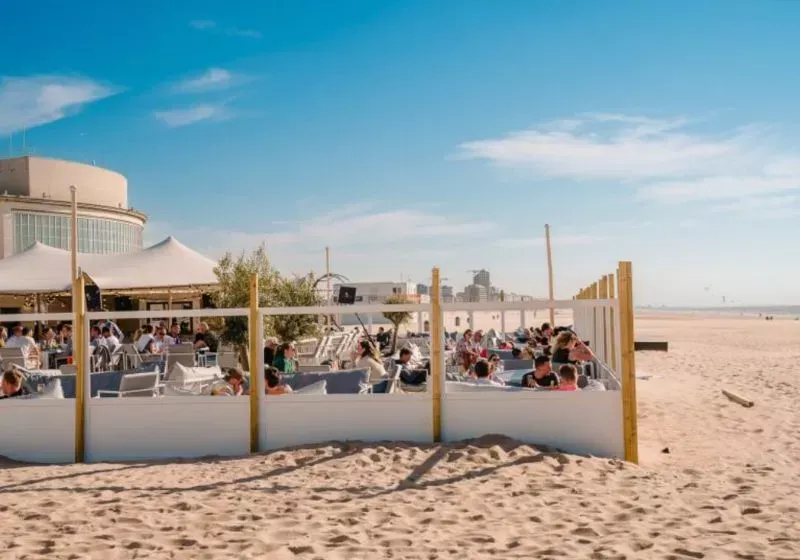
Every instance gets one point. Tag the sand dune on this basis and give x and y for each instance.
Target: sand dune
(727, 488)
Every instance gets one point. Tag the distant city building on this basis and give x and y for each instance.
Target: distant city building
(476, 293)
(447, 294)
(422, 289)
(375, 293)
(35, 205)
(482, 278)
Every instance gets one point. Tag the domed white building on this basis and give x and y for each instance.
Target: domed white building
(35, 205)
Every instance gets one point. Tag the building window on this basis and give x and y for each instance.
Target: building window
(95, 235)
(458, 321)
(426, 326)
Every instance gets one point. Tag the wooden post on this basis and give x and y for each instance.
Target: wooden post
(593, 295)
(612, 328)
(437, 354)
(629, 413)
(550, 274)
(603, 287)
(256, 376)
(79, 359)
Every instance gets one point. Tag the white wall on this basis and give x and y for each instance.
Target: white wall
(584, 422)
(302, 419)
(167, 427)
(39, 431)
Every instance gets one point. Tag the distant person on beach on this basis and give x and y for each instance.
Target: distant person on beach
(483, 374)
(541, 376)
(284, 358)
(11, 385)
(274, 382)
(569, 378)
(568, 349)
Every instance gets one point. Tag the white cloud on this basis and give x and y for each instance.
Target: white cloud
(211, 79)
(363, 227)
(717, 188)
(772, 207)
(563, 240)
(174, 118)
(27, 102)
(212, 26)
(667, 159)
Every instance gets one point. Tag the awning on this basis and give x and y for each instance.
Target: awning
(166, 265)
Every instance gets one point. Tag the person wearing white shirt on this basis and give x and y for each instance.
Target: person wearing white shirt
(482, 372)
(22, 339)
(146, 343)
(110, 340)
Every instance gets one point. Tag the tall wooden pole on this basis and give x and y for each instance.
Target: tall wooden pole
(73, 242)
(256, 373)
(437, 354)
(613, 327)
(79, 360)
(629, 411)
(550, 274)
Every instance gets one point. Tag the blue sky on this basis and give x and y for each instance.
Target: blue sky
(409, 134)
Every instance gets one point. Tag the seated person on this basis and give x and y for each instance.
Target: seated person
(274, 382)
(205, 339)
(541, 376)
(11, 385)
(409, 375)
(146, 344)
(495, 365)
(568, 349)
(516, 353)
(110, 339)
(95, 337)
(175, 333)
(369, 359)
(482, 374)
(569, 378)
(49, 340)
(270, 346)
(543, 334)
(383, 337)
(233, 386)
(284, 358)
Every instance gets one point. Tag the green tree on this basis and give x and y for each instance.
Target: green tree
(397, 318)
(233, 290)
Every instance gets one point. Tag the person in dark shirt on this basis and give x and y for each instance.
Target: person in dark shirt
(543, 334)
(408, 374)
(11, 385)
(568, 349)
(541, 376)
(205, 338)
(270, 346)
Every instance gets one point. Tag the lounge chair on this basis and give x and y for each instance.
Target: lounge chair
(135, 385)
(11, 356)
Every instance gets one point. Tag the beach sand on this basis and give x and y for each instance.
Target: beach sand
(728, 488)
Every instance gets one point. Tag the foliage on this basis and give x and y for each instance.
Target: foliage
(397, 318)
(273, 291)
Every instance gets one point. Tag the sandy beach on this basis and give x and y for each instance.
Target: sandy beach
(726, 489)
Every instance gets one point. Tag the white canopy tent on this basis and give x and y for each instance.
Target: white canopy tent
(166, 265)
